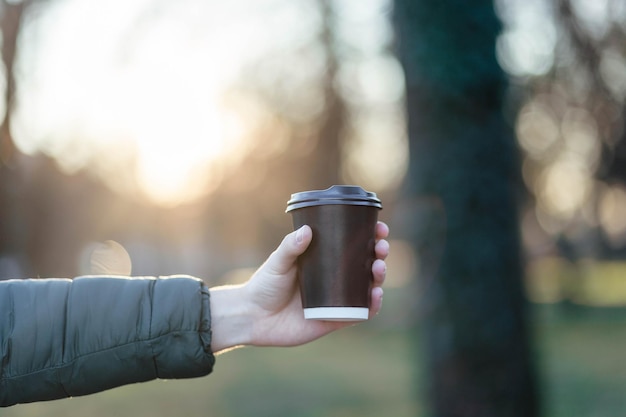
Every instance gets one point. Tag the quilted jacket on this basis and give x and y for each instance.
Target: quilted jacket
(62, 338)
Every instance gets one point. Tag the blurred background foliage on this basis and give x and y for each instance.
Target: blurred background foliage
(180, 129)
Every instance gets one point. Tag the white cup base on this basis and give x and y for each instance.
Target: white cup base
(336, 313)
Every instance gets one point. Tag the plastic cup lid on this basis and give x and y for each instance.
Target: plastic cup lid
(337, 194)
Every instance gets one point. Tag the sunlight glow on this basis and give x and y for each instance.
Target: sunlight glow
(612, 213)
(537, 130)
(139, 89)
(526, 46)
(377, 164)
(593, 15)
(141, 92)
(565, 187)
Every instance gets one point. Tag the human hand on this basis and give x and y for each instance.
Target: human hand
(267, 310)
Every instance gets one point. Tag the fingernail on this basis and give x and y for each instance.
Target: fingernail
(299, 237)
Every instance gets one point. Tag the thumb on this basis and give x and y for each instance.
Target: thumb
(292, 246)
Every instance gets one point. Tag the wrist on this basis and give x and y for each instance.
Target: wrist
(231, 323)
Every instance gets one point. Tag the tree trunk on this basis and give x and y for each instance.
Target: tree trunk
(326, 163)
(10, 23)
(463, 162)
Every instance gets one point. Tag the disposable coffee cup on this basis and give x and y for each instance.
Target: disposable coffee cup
(335, 272)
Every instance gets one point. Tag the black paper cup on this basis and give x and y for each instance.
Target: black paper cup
(335, 272)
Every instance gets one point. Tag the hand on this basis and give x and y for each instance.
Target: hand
(267, 310)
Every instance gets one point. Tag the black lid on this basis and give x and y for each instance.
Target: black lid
(337, 194)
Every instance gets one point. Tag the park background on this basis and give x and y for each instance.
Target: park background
(180, 129)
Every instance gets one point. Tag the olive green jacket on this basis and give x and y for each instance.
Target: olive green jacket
(62, 338)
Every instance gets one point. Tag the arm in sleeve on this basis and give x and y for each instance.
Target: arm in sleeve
(62, 338)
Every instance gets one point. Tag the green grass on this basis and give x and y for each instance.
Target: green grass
(352, 373)
(370, 370)
(581, 361)
(363, 371)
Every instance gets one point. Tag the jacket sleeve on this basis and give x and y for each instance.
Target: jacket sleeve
(62, 338)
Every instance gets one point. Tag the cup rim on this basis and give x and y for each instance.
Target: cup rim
(334, 195)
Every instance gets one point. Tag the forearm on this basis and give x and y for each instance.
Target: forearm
(71, 338)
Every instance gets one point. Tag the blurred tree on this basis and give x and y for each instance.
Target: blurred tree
(11, 18)
(10, 23)
(327, 157)
(273, 82)
(597, 53)
(583, 93)
(463, 174)
(36, 233)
